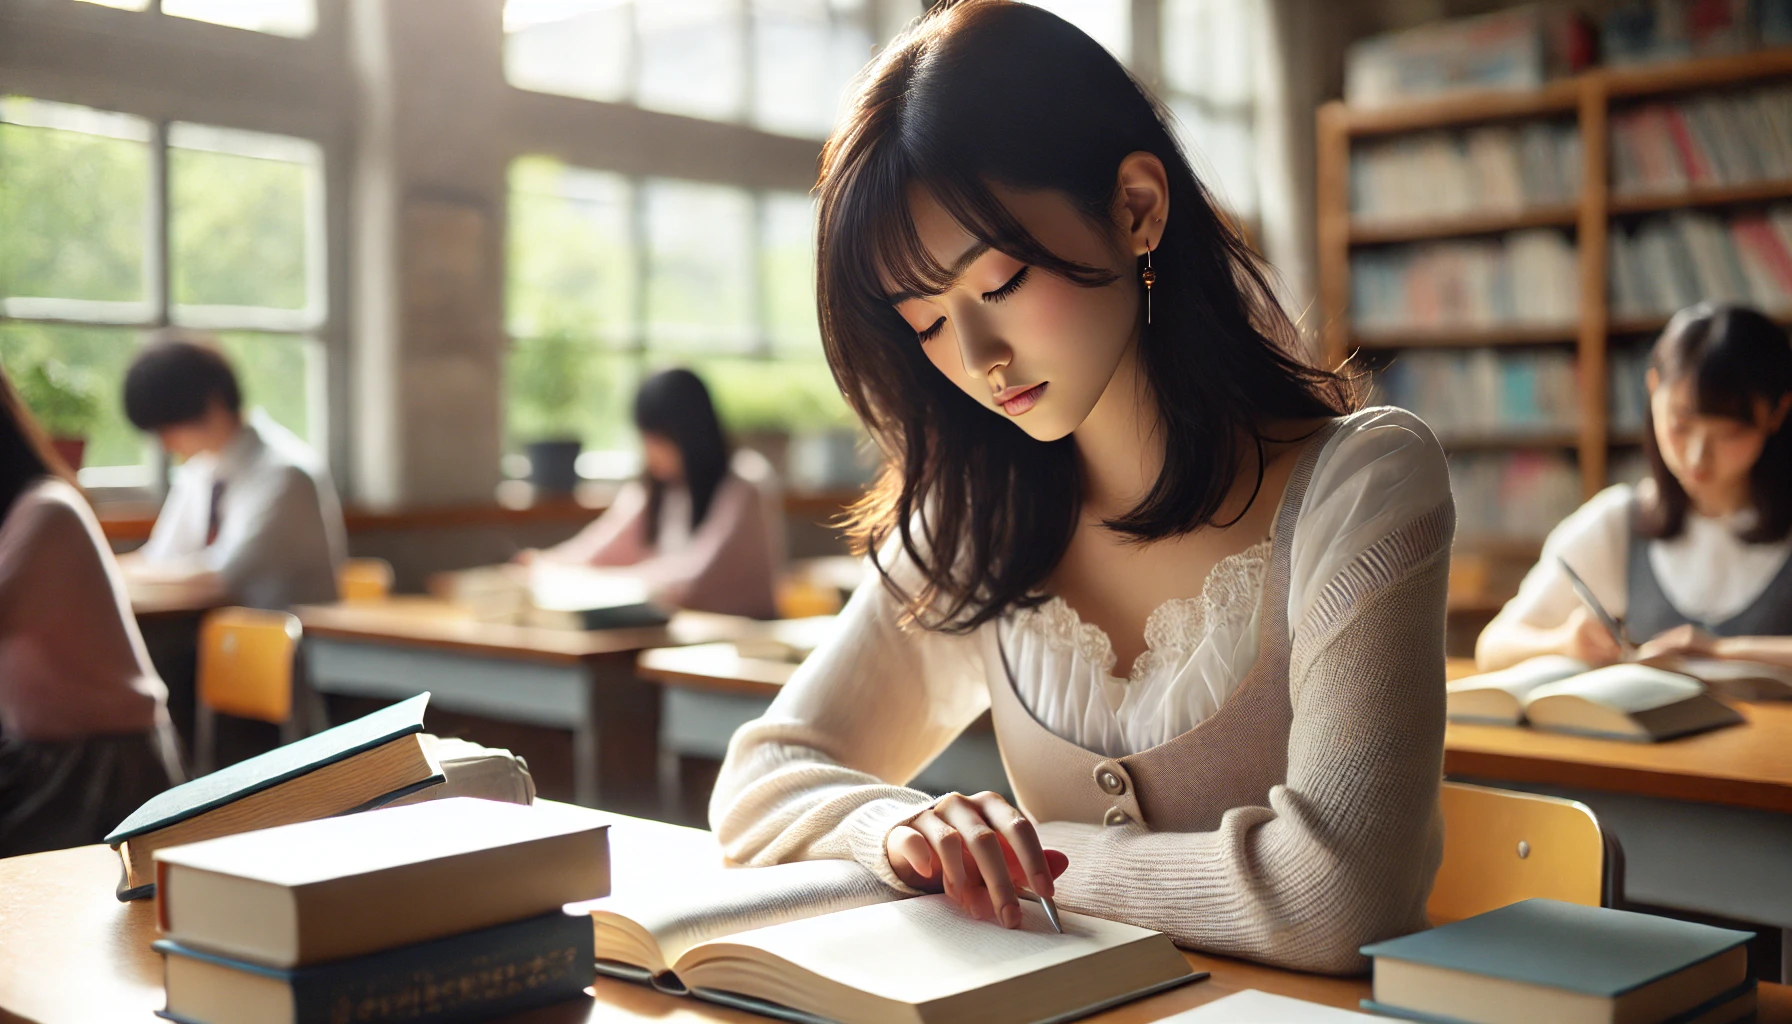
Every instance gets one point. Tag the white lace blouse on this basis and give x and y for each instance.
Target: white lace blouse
(1378, 471)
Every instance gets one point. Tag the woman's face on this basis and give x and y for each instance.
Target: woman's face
(1027, 344)
(665, 462)
(1711, 456)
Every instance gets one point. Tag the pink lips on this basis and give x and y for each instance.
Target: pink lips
(1017, 400)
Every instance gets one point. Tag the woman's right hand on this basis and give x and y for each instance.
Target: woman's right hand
(976, 849)
(1584, 638)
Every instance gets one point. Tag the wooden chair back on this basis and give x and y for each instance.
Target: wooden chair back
(1502, 846)
(246, 663)
(364, 579)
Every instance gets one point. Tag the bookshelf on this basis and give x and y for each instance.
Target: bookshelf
(1590, 102)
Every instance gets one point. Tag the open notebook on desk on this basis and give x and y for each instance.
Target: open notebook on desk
(825, 941)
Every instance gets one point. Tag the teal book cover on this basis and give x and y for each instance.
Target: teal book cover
(1593, 951)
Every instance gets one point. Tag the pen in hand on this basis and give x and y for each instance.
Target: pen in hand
(1051, 909)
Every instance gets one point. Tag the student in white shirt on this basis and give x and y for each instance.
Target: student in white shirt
(694, 528)
(249, 508)
(1693, 559)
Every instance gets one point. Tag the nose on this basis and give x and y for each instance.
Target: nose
(1698, 446)
(980, 349)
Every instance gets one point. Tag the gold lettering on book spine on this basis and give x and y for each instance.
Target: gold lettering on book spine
(423, 991)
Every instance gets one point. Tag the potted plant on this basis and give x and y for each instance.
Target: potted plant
(548, 385)
(65, 403)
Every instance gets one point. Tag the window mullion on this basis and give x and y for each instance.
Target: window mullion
(160, 239)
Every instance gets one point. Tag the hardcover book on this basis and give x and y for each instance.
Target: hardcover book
(353, 766)
(466, 977)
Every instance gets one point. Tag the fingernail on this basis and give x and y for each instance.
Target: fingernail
(1011, 916)
(1042, 884)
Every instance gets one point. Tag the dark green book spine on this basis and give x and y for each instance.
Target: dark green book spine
(467, 977)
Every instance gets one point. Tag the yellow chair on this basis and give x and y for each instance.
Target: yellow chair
(364, 579)
(1501, 847)
(245, 670)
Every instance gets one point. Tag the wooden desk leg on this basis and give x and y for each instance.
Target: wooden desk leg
(586, 745)
(624, 722)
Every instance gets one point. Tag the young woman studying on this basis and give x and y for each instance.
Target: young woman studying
(1201, 596)
(84, 734)
(693, 528)
(1693, 559)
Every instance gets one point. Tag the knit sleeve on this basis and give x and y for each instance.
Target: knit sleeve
(821, 774)
(1345, 851)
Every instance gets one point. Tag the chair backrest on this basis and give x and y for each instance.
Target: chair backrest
(1501, 847)
(364, 579)
(246, 663)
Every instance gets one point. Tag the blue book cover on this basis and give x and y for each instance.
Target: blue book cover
(467, 977)
(272, 768)
(1589, 950)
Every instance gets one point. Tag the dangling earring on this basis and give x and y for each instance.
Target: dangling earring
(1149, 277)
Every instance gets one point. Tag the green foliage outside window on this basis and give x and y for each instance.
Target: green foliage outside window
(237, 230)
(73, 210)
(100, 355)
(60, 397)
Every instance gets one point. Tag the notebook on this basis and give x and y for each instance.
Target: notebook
(356, 765)
(472, 976)
(827, 941)
(1631, 701)
(325, 890)
(1545, 960)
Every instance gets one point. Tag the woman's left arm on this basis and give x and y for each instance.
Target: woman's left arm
(1771, 650)
(1345, 852)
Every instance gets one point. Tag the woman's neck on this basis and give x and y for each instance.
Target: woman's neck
(1121, 448)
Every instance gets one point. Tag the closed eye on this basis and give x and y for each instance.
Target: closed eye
(932, 332)
(1008, 289)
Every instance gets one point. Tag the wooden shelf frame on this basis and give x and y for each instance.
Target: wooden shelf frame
(1587, 98)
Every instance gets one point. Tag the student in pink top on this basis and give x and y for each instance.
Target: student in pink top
(692, 528)
(84, 733)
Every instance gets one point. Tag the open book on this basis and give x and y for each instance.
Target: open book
(1631, 701)
(826, 941)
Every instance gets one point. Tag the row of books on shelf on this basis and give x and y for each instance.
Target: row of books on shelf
(1650, 31)
(1511, 394)
(1704, 141)
(1493, 169)
(1522, 495)
(1667, 263)
(1525, 278)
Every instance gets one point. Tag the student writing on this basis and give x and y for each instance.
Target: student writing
(693, 528)
(249, 509)
(84, 730)
(1102, 455)
(1693, 559)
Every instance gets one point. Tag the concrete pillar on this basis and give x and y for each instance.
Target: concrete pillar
(427, 266)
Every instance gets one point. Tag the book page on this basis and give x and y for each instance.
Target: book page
(1254, 1007)
(1628, 688)
(680, 911)
(1522, 678)
(924, 948)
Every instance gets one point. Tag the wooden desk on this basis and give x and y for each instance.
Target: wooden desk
(581, 681)
(1705, 820)
(190, 597)
(72, 954)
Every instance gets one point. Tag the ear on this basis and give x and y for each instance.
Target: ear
(1776, 418)
(1144, 201)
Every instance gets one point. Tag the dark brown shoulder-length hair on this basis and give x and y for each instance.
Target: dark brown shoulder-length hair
(25, 451)
(1736, 359)
(989, 92)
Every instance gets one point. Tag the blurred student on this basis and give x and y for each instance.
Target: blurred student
(250, 509)
(84, 731)
(692, 528)
(1694, 558)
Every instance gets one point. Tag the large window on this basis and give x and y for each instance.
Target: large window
(779, 65)
(1208, 49)
(116, 225)
(611, 277)
(295, 18)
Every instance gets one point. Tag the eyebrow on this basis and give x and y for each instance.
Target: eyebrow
(959, 266)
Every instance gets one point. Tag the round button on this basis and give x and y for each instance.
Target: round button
(1110, 782)
(1115, 818)
(1524, 849)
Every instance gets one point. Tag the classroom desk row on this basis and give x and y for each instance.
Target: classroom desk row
(70, 953)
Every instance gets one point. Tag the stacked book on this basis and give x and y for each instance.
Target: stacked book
(1545, 960)
(1706, 141)
(1511, 394)
(1528, 278)
(436, 912)
(1628, 396)
(1645, 31)
(1666, 263)
(1515, 49)
(1512, 495)
(1496, 169)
